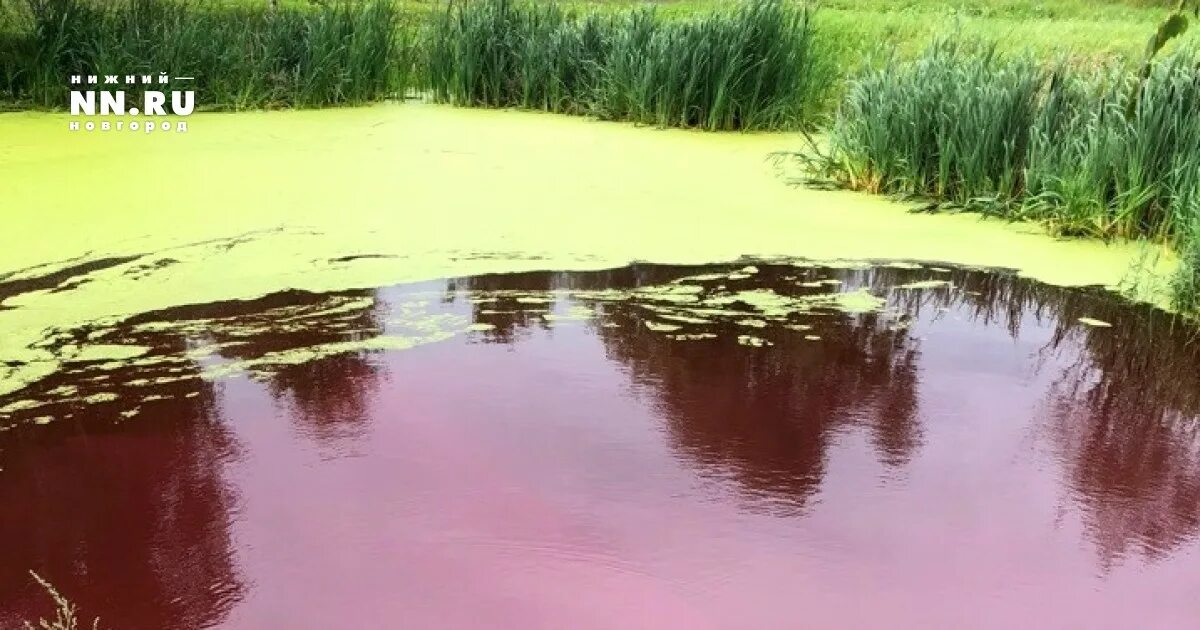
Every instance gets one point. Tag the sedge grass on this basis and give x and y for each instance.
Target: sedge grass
(1101, 152)
(756, 65)
(953, 125)
(241, 56)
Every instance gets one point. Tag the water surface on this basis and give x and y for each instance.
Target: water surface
(766, 444)
(249, 204)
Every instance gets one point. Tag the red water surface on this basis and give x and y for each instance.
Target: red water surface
(991, 464)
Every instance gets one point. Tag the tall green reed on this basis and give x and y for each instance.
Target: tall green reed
(1108, 173)
(1185, 284)
(757, 65)
(754, 66)
(500, 53)
(953, 125)
(965, 126)
(1090, 152)
(242, 56)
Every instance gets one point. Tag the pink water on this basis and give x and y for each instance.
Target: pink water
(994, 464)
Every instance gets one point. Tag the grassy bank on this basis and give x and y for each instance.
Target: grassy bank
(665, 39)
(1048, 120)
(614, 58)
(242, 56)
(752, 65)
(1105, 152)
(755, 65)
(1087, 30)
(1091, 135)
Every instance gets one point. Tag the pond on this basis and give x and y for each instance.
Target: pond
(771, 443)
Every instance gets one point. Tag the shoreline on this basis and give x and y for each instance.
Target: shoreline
(248, 204)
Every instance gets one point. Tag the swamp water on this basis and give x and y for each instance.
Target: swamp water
(774, 443)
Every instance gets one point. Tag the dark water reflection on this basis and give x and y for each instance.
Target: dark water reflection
(133, 523)
(632, 447)
(765, 418)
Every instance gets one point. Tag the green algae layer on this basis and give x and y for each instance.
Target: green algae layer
(100, 226)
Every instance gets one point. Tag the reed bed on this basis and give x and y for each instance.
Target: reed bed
(953, 125)
(242, 56)
(1090, 152)
(1103, 151)
(1185, 285)
(755, 65)
(1107, 166)
(1100, 152)
(498, 53)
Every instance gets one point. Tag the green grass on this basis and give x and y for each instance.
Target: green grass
(1099, 171)
(497, 53)
(756, 65)
(1083, 29)
(847, 34)
(1040, 121)
(1185, 285)
(241, 56)
(1087, 151)
(953, 125)
(967, 126)
(301, 54)
(1088, 30)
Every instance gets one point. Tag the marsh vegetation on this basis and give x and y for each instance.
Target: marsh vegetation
(967, 126)
(1100, 152)
(242, 56)
(752, 66)
(1019, 111)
